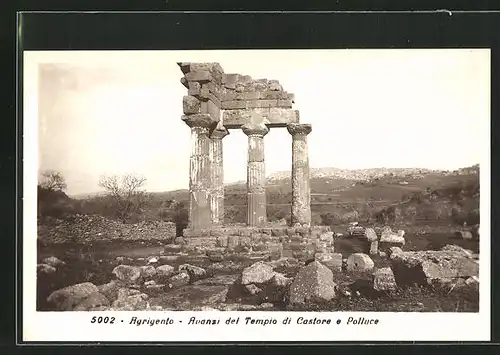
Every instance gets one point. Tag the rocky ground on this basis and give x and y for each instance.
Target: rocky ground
(153, 275)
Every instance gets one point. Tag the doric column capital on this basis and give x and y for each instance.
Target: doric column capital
(199, 120)
(219, 132)
(258, 130)
(299, 129)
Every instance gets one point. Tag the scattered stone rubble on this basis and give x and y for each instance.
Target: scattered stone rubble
(90, 228)
(262, 268)
(266, 283)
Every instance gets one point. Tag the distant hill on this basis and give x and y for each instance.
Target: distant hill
(418, 192)
(370, 174)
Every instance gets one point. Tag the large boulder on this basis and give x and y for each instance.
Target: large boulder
(359, 263)
(257, 273)
(313, 282)
(394, 239)
(67, 298)
(127, 273)
(147, 271)
(130, 300)
(165, 271)
(425, 267)
(383, 280)
(110, 289)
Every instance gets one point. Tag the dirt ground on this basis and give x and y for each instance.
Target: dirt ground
(95, 263)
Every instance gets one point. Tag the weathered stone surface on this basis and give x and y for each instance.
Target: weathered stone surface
(394, 239)
(327, 238)
(194, 272)
(53, 261)
(423, 267)
(199, 172)
(359, 262)
(275, 117)
(458, 249)
(164, 271)
(275, 86)
(67, 298)
(148, 271)
(250, 104)
(191, 105)
(333, 261)
(281, 280)
(179, 280)
(383, 280)
(110, 289)
(301, 189)
(374, 247)
(130, 300)
(95, 299)
(200, 76)
(256, 178)
(370, 235)
(127, 273)
(217, 174)
(194, 88)
(257, 273)
(313, 282)
(45, 269)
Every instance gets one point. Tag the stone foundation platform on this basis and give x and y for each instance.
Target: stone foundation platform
(273, 241)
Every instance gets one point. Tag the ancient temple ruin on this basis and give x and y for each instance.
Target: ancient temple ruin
(218, 102)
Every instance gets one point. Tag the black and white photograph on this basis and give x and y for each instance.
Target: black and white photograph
(258, 183)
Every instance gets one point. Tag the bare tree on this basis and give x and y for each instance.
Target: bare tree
(52, 180)
(127, 191)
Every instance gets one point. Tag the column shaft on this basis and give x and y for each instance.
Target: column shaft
(256, 174)
(256, 182)
(301, 188)
(199, 179)
(217, 176)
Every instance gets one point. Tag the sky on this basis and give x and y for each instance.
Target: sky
(116, 112)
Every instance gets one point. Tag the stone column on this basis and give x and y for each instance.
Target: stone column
(199, 171)
(301, 188)
(217, 175)
(256, 174)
